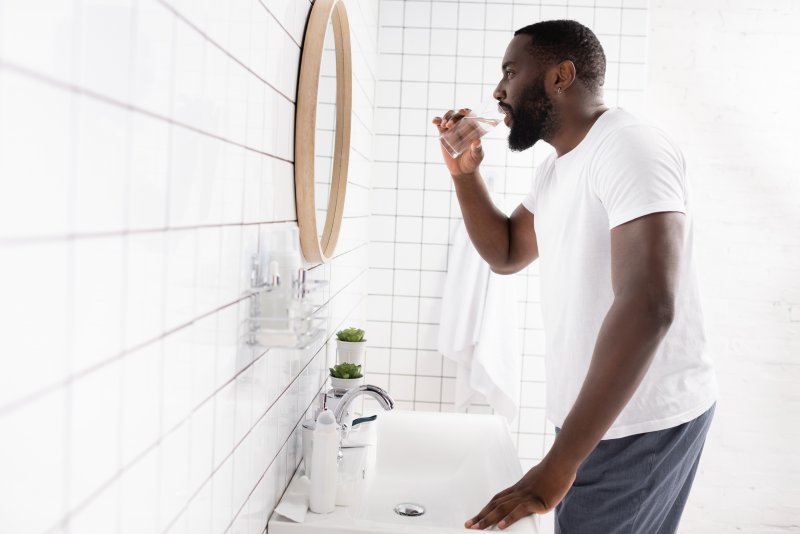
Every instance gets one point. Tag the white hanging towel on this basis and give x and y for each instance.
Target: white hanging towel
(478, 330)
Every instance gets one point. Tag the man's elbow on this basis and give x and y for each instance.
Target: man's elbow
(497, 269)
(660, 307)
(511, 264)
(664, 313)
(656, 308)
(506, 269)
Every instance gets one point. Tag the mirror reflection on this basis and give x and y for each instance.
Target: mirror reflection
(325, 129)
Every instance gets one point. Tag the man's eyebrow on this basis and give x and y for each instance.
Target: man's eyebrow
(506, 65)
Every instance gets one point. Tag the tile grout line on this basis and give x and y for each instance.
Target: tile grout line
(180, 16)
(24, 400)
(89, 93)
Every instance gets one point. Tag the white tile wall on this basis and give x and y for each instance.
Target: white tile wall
(145, 155)
(434, 56)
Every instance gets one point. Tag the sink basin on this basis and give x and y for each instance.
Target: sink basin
(450, 464)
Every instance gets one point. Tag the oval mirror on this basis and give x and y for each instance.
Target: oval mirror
(322, 129)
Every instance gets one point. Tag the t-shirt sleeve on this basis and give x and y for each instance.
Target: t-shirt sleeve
(637, 172)
(530, 199)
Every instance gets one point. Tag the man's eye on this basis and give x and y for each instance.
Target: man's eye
(509, 74)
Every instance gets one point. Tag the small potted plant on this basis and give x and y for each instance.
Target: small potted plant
(345, 376)
(351, 345)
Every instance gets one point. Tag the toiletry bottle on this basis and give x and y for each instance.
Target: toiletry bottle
(274, 303)
(325, 449)
(301, 311)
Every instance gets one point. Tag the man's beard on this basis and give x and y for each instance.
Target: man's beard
(533, 119)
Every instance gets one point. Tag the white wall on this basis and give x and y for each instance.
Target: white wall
(721, 82)
(145, 153)
(435, 56)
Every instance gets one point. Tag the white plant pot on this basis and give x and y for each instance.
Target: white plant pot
(350, 352)
(340, 385)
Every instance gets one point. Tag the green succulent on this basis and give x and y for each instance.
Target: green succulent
(346, 370)
(353, 335)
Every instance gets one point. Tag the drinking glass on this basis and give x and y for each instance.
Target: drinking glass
(480, 121)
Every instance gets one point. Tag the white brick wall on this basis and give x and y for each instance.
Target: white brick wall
(720, 83)
(145, 154)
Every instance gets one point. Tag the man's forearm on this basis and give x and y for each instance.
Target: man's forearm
(488, 227)
(626, 344)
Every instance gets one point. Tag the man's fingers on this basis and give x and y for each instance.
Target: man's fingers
(450, 118)
(523, 509)
(437, 121)
(498, 500)
(441, 122)
(494, 516)
(486, 509)
(457, 116)
(497, 508)
(505, 491)
(477, 149)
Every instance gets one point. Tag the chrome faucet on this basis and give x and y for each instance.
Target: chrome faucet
(379, 394)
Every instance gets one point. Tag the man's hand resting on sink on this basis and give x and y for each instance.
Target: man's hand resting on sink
(538, 492)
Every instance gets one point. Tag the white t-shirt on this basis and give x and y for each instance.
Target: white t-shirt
(623, 169)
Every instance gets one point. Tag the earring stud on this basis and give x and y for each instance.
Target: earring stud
(559, 90)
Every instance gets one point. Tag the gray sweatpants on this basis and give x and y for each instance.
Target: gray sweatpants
(635, 485)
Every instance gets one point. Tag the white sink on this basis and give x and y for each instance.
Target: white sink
(451, 464)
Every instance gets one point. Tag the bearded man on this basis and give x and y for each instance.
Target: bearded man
(630, 388)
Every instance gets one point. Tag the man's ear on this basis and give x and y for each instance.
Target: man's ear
(565, 74)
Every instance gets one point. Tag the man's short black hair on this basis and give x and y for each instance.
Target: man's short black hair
(554, 41)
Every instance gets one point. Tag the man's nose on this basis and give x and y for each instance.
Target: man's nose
(499, 93)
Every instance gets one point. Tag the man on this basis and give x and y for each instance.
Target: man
(629, 386)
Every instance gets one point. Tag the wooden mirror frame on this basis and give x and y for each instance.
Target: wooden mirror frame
(316, 249)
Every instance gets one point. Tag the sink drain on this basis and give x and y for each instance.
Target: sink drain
(409, 509)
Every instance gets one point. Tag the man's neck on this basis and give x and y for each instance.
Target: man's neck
(575, 125)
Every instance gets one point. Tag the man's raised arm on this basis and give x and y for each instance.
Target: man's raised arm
(508, 244)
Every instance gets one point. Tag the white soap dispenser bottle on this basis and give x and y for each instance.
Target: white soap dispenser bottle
(324, 456)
